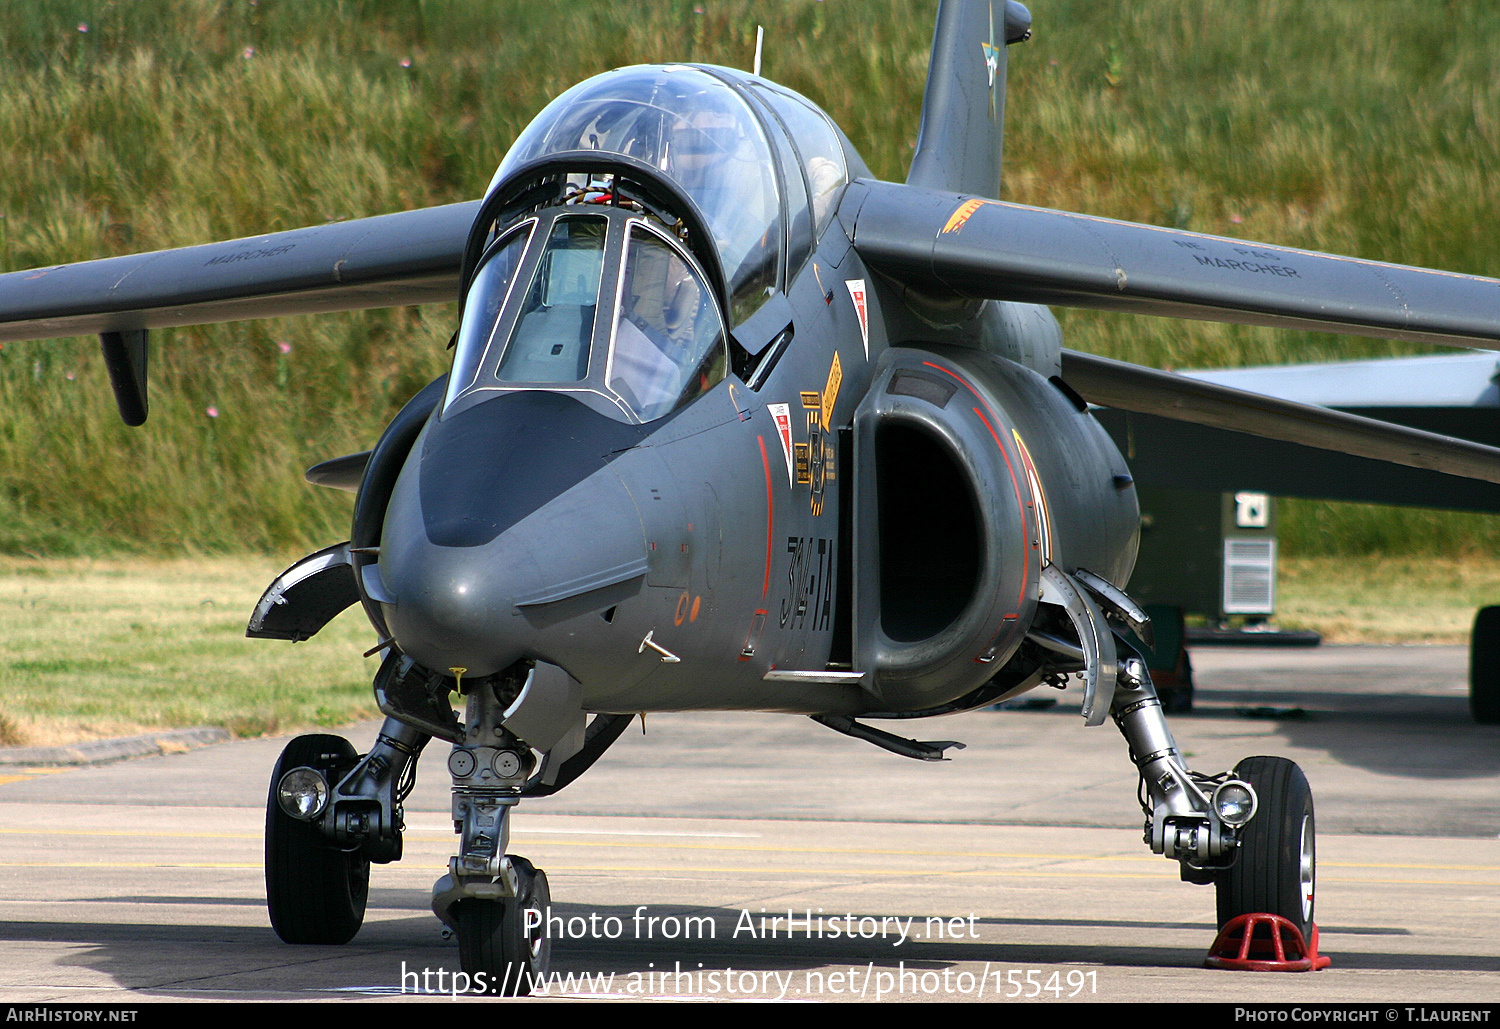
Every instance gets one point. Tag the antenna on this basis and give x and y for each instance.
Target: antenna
(760, 35)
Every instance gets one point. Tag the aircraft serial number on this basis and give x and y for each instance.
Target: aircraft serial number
(809, 579)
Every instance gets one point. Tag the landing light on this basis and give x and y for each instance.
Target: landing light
(1235, 802)
(303, 793)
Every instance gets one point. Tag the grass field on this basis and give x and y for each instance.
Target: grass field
(1371, 129)
(1385, 600)
(97, 648)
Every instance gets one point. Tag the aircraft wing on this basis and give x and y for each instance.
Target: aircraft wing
(1451, 394)
(1464, 381)
(1129, 387)
(985, 249)
(1184, 455)
(387, 261)
(997, 251)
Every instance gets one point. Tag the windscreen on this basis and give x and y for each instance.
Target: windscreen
(556, 324)
(486, 299)
(669, 341)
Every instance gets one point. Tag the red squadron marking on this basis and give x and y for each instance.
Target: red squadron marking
(781, 414)
(770, 516)
(861, 308)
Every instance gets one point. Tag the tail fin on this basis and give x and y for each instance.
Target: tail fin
(963, 111)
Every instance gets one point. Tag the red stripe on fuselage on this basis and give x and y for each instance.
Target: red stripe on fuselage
(770, 516)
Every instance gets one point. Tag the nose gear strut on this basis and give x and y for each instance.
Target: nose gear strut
(495, 902)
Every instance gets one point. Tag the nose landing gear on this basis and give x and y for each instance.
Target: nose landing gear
(505, 941)
(496, 903)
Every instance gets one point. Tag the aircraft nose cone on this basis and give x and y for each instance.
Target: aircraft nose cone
(454, 608)
(496, 520)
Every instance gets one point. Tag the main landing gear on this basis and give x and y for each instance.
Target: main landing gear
(1278, 848)
(1484, 667)
(315, 891)
(1250, 832)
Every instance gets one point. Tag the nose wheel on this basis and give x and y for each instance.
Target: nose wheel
(1275, 871)
(315, 892)
(503, 944)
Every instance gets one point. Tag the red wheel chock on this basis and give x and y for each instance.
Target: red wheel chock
(1264, 943)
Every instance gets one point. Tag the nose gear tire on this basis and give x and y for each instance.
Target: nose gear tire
(1275, 869)
(315, 892)
(498, 941)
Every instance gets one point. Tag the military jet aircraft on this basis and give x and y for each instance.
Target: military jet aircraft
(732, 425)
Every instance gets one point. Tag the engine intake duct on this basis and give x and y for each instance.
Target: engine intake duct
(972, 475)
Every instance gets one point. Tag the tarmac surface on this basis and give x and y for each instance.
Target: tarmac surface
(1019, 863)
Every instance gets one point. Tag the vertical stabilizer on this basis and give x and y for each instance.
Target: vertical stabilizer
(963, 111)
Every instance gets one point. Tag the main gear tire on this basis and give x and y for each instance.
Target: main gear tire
(1484, 667)
(315, 893)
(1275, 870)
(503, 944)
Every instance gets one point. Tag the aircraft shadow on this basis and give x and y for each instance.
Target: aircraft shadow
(173, 959)
(1411, 736)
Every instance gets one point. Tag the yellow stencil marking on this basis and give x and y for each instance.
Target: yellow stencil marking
(831, 390)
(28, 773)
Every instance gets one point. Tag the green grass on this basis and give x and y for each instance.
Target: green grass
(1371, 129)
(1386, 600)
(98, 648)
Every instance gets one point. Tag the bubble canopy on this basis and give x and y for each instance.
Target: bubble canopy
(698, 132)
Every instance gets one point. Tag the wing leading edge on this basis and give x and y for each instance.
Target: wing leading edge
(990, 250)
(1129, 387)
(388, 261)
